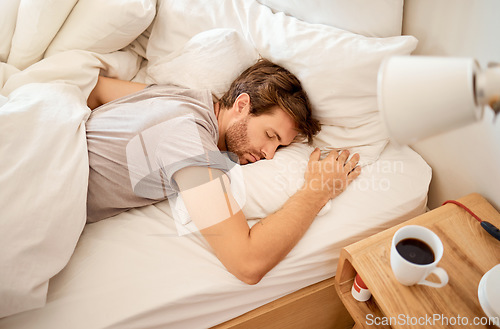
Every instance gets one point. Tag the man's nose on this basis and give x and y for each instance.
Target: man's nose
(269, 150)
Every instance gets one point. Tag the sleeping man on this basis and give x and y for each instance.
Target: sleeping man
(150, 143)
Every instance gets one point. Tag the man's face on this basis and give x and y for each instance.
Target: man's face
(253, 138)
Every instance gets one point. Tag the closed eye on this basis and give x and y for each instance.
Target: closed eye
(272, 134)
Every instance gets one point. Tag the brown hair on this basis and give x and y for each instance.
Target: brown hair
(270, 85)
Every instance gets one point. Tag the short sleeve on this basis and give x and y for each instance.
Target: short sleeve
(157, 153)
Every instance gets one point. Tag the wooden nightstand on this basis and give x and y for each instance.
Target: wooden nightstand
(469, 252)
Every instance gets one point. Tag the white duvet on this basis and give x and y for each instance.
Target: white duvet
(51, 54)
(49, 65)
(44, 170)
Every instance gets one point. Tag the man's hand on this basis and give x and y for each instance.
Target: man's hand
(329, 177)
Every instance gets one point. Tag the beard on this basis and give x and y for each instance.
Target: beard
(237, 140)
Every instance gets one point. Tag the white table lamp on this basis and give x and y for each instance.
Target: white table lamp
(421, 96)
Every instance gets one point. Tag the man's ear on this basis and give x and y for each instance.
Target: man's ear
(242, 103)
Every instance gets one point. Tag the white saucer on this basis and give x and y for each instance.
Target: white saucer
(488, 292)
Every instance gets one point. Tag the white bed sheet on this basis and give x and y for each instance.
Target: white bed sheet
(134, 271)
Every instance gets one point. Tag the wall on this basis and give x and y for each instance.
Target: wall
(467, 159)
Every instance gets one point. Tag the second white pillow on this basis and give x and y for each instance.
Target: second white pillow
(210, 60)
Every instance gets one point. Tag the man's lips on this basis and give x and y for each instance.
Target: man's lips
(250, 158)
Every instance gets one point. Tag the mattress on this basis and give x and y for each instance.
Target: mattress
(135, 271)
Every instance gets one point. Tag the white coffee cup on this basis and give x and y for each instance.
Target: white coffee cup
(414, 269)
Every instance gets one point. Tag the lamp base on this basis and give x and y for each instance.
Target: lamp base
(488, 87)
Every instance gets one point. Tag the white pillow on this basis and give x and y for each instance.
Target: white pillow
(337, 68)
(103, 26)
(210, 60)
(37, 24)
(8, 17)
(337, 138)
(372, 18)
(44, 176)
(270, 183)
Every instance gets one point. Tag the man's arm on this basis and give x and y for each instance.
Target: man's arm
(109, 89)
(250, 253)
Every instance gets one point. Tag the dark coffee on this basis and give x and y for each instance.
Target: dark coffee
(415, 251)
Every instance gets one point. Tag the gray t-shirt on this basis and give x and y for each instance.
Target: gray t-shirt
(136, 144)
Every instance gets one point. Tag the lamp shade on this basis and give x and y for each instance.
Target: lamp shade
(421, 96)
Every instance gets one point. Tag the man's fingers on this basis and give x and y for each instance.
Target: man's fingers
(353, 175)
(332, 174)
(333, 154)
(353, 162)
(315, 155)
(342, 158)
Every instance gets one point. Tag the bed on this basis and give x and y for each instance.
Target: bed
(144, 268)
